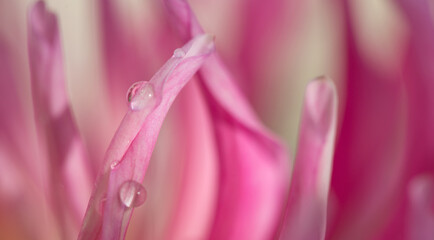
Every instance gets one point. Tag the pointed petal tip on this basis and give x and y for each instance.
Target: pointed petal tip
(42, 21)
(129, 152)
(307, 204)
(321, 102)
(322, 87)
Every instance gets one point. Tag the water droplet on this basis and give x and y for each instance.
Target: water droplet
(132, 194)
(133, 90)
(179, 53)
(140, 95)
(114, 164)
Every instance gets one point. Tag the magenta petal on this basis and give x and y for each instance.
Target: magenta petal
(370, 145)
(130, 150)
(307, 204)
(254, 171)
(419, 74)
(418, 77)
(254, 166)
(59, 137)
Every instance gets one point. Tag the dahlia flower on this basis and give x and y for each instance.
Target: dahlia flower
(175, 119)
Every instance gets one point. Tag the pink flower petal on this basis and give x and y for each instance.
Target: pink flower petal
(133, 47)
(130, 150)
(68, 172)
(194, 147)
(16, 135)
(418, 76)
(11, 125)
(254, 168)
(307, 204)
(370, 144)
(22, 203)
(265, 25)
(120, 42)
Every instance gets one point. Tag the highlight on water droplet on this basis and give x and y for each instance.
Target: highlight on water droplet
(132, 194)
(133, 90)
(179, 52)
(114, 164)
(141, 95)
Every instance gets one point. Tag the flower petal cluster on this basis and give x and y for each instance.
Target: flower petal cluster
(190, 156)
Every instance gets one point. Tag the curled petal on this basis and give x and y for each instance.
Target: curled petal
(307, 204)
(253, 164)
(370, 144)
(128, 155)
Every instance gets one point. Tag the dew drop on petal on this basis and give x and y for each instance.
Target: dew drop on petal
(133, 90)
(141, 95)
(132, 194)
(179, 52)
(114, 164)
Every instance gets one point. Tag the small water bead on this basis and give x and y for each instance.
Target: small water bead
(132, 194)
(179, 52)
(114, 164)
(133, 90)
(140, 95)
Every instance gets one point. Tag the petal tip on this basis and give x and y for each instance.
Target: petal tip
(42, 22)
(321, 102)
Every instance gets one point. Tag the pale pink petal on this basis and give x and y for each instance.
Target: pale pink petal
(194, 147)
(22, 201)
(253, 165)
(306, 212)
(59, 139)
(128, 155)
(11, 122)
